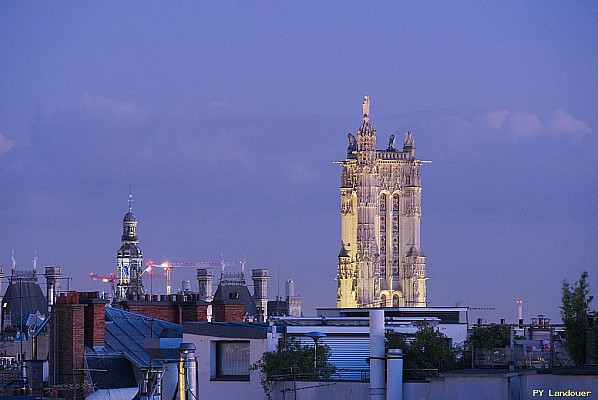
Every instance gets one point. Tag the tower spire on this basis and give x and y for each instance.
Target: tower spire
(130, 199)
(365, 106)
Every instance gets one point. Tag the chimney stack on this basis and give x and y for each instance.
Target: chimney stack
(67, 351)
(260, 292)
(520, 313)
(94, 323)
(52, 275)
(204, 279)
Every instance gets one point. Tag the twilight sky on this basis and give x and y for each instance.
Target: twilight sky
(224, 118)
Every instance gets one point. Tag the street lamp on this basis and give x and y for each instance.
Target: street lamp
(315, 337)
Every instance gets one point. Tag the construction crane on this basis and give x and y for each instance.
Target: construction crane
(112, 278)
(106, 279)
(168, 266)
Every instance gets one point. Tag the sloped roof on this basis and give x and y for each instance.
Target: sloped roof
(126, 333)
(226, 292)
(105, 368)
(23, 297)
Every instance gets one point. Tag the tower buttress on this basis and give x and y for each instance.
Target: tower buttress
(346, 295)
(368, 268)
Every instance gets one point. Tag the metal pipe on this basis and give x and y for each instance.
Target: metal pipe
(188, 378)
(377, 384)
(394, 374)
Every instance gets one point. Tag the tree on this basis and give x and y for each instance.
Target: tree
(293, 360)
(429, 349)
(491, 336)
(575, 310)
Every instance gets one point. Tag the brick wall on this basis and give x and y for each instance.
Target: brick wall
(172, 311)
(194, 312)
(67, 337)
(162, 311)
(229, 311)
(94, 318)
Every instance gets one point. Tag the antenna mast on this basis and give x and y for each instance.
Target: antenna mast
(130, 199)
(35, 261)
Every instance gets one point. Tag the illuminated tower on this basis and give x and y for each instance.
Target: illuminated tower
(129, 260)
(380, 263)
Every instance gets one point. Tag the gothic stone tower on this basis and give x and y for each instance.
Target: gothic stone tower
(380, 263)
(129, 260)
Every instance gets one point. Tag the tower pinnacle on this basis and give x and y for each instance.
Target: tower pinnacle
(365, 106)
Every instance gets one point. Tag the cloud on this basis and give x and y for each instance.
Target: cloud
(115, 108)
(496, 118)
(95, 139)
(563, 122)
(521, 123)
(5, 144)
(517, 123)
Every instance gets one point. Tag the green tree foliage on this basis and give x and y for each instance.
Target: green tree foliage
(293, 360)
(575, 309)
(429, 349)
(491, 336)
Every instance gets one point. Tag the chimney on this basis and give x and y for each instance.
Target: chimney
(94, 322)
(289, 288)
(260, 292)
(520, 313)
(67, 346)
(204, 279)
(52, 275)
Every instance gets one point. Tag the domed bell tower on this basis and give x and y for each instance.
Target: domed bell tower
(129, 260)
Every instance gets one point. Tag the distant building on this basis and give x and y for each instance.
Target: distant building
(278, 307)
(291, 305)
(232, 289)
(294, 300)
(23, 297)
(129, 260)
(381, 263)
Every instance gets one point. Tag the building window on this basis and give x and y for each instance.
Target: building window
(232, 361)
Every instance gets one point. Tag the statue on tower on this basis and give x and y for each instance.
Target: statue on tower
(352, 142)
